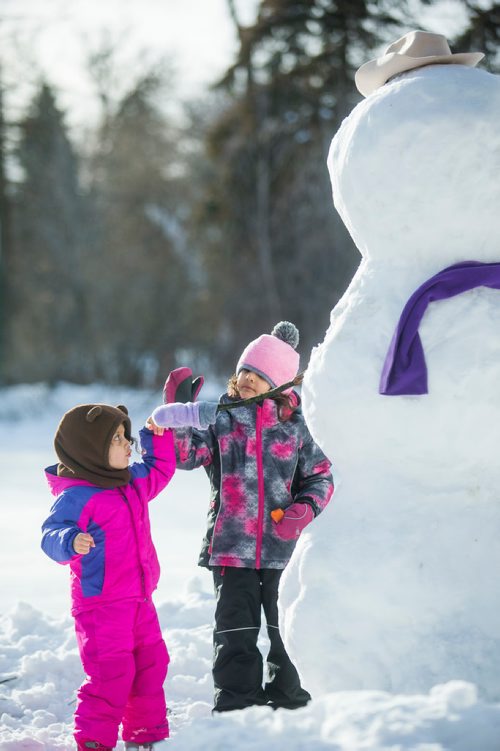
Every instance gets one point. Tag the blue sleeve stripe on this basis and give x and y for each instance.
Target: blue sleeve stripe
(61, 527)
(70, 504)
(93, 564)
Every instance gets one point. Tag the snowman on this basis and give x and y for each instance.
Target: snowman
(397, 585)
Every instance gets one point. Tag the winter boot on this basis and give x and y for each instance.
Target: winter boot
(89, 745)
(131, 746)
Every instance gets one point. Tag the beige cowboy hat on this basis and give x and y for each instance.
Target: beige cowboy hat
(413, 50)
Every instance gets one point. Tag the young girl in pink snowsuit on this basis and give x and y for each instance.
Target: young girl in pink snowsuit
(99, 525)
(268, 481)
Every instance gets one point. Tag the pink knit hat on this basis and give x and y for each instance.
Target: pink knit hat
(273, 356)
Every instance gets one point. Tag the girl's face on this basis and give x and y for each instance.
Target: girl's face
(119, 450)
(250, 384)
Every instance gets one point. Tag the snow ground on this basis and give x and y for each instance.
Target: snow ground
(40, 668)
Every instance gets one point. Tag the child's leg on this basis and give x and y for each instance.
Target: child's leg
(145, 718)
(283, 687)
(237, 669)
(106, 644)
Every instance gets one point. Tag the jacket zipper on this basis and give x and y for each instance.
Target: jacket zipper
(211, 543)
(143, 583)
(260, 485)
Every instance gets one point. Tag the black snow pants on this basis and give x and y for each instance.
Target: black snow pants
(238, 664)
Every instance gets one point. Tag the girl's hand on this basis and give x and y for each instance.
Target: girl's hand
(180, 387)
(151, 425)
(82, 543)
(289, 525)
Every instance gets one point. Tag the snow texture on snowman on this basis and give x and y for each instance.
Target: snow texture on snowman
(397, 585)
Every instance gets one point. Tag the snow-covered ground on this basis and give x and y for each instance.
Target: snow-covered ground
(40, 667)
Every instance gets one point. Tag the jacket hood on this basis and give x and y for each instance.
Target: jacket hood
(58, 484)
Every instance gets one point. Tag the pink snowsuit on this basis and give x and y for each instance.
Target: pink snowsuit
(117, 628)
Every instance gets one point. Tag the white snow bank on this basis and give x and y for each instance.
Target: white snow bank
(39, 660)
(41, 667)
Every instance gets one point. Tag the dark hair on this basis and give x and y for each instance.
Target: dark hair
(286, 407)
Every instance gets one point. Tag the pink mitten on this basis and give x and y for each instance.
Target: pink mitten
(296, 517)
(180, 387)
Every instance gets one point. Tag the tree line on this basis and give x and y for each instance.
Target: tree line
(163, 241)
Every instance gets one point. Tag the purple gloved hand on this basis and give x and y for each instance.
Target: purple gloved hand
(180, 387)
(297, 516)
(192, 414)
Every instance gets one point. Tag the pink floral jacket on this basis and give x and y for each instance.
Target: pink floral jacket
(256, 463)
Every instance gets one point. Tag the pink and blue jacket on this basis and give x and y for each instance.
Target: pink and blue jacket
(123, 563)
(256, 464)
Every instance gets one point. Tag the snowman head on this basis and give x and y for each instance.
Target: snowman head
(415, 167)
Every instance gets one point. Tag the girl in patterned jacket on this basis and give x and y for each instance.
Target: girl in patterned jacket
(268, 481)
(99, 525)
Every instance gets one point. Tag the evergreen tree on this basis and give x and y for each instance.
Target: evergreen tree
(4, 239)
(482, 33)
(48, 313)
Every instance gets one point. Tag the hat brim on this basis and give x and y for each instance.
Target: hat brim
(376, 73)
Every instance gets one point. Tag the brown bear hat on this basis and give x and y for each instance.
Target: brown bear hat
(82, 444)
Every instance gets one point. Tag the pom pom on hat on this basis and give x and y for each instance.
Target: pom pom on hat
(287, 332)
(273, 356)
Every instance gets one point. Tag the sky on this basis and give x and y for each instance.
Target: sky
(56, 36)
(196, 36)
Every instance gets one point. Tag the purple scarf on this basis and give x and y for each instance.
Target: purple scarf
(404, 370)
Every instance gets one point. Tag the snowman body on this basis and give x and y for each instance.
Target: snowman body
(397, 585)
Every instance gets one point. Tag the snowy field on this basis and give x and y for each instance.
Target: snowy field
(40, 668)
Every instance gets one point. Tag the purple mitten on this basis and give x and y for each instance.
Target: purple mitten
(297, 516)
(180, 387)
(178, 415)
